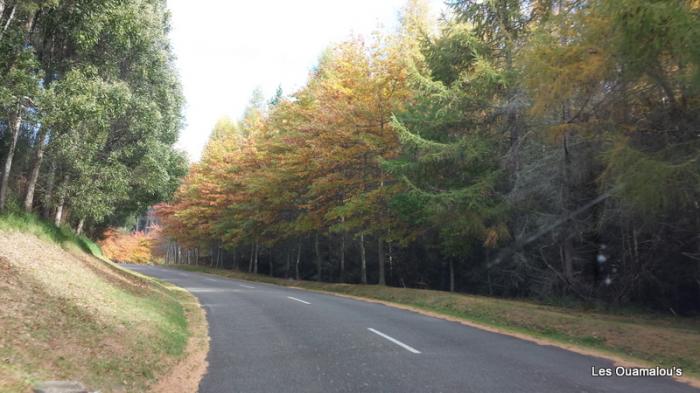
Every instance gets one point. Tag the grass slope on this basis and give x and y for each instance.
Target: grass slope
(29, 223)
(642, 338)
(65, 314)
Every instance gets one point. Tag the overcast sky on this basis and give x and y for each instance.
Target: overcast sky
(227, 48)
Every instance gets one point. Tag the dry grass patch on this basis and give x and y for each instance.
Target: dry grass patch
(66, 315)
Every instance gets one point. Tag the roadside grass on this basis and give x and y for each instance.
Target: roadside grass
(30, 223)
(68, 315)
(634, 337)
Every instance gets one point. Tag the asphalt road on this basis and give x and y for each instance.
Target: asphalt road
(266, 338)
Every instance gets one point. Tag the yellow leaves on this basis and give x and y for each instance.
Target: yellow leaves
(290, 164)
(495, 234)
(557, 132)
(491, 238)
(565, 61)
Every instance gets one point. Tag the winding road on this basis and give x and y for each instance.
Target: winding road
(266, 338)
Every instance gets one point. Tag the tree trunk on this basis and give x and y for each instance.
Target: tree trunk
(567, 253)
(270, 263)
(380, 260)
(48, 196)
(61, 202)
(298, 261)
(252, 255)
(566, 246)
(342, 257)
(287, 265)
(319, 261)
(255, 260)
(363, 260)
(79, 230)
(452, 276)
(9, 20)
(14, 123)
(391, 261)
(36, 168)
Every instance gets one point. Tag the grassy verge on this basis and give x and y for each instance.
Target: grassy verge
(29, 223)
(635, 337)
(68, 315)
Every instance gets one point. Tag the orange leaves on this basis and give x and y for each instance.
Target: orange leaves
(136, 247)
(279, 171)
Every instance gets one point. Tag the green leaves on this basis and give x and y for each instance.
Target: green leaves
(99, 86)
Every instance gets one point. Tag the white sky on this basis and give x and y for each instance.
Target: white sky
(227, 48)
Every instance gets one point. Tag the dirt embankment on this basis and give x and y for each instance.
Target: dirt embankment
(67, 315)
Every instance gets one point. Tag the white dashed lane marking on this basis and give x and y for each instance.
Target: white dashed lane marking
(395, 341)
(298, 300)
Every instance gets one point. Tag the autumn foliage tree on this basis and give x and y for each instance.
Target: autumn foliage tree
(508, 151)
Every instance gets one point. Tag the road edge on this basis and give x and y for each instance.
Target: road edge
(186, 374)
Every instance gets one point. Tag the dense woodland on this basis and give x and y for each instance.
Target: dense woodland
(90, 107)
(544, 148)
(524, 148)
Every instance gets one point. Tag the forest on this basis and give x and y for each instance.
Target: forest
(546, 149)
(90, 107)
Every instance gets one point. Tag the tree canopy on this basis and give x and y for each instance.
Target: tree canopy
(90, 107)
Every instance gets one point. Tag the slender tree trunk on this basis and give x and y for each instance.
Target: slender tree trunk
(59, 209)
(81, 223)
(391, 261)
(252, 255)
(363, 260)
(9, 20)
(59, 213)
(287, 265)
(566, 246)
(255, 260)
(452, 276)
(271, 263)
(298, 261)
(15, 121)
(36, 168)
(48, 196)
(319, 261)
(380, 260)
(342, 257)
